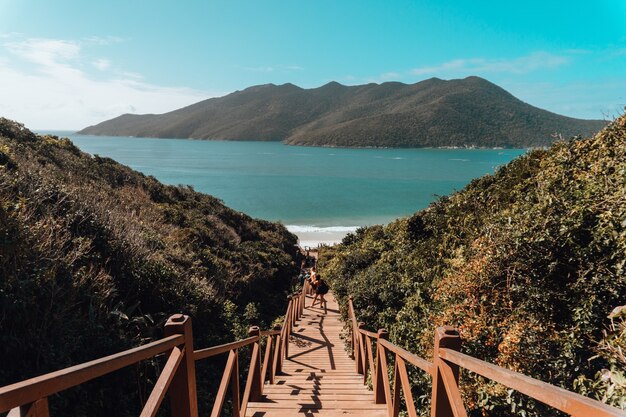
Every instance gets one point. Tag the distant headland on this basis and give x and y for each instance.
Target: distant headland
(469, 112)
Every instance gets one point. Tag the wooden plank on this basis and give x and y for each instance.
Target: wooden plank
(323, 395)
(234, 387)
(250, 382)
(452, 388)
(406, 387)
(220, 397)
(382, 375)
(318, 413)
(319, 377)
(294, 389)
(266, 361)
(37, 409)
(315, 405)
(160, 388)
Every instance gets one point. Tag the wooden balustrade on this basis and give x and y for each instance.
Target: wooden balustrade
(446, 400)
(178, 377)
(263, 365)
(371, 352)
(29, 398)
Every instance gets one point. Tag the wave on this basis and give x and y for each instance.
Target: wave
(296, 228)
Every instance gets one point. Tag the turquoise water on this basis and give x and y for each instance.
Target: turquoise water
(304, 186)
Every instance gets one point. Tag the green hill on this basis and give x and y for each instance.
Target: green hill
(527, 263)
(94, 257)
(431, 113)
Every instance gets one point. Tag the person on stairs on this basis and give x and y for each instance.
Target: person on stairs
(312, 280)
(320, 289)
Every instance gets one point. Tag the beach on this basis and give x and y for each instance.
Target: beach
(314, 236)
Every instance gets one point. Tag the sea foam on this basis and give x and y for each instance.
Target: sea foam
(295, 228)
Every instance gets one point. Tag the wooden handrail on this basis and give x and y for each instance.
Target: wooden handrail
(423, 364)
(446, 398)
(218, 350)
(559, 398)
(178, 375)
(275, 351)
(33, 389)
(371, 335)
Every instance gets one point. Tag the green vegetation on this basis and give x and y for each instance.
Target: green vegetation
(94, 257)
(528, 263)
(432, 113)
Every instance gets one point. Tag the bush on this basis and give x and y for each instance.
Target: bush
(527, 263)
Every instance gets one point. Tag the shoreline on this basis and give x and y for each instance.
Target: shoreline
(314, 236)
(300, 145)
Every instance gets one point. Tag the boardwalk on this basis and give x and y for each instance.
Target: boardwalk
(319, 378)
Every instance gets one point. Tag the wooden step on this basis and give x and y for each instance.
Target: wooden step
(318, 379)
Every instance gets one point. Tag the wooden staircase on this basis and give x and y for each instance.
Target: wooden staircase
(318, 377)
(307, 371)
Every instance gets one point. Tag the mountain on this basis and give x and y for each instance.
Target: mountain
(95, 256)
(529, 264)
(431, 113)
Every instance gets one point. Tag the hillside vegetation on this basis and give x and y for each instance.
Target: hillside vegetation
(527, 263)
(94, 257)
(431, 113)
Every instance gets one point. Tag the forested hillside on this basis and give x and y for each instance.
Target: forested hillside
(94, 257)
(470, 112)
(528, 263)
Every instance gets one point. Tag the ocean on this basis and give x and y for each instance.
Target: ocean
(320, 194)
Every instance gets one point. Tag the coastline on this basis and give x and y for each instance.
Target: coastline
(300, 145)
(314, 236)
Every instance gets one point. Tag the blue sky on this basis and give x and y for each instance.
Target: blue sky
(67, 64)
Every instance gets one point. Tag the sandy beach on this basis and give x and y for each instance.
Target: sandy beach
(314, 236)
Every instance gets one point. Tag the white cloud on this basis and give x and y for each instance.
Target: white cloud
(102, 64)
(520, 65)
(9, 35)
(103, 40)
(46, 52)
(387, 76)
(56, 93)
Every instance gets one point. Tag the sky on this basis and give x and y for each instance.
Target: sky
(69, 64)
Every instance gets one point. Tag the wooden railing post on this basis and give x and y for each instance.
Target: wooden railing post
(183, 396)
(255, 365)
(38, 408)
(352, 329)
(275, 366)
(381, 379)
(445, 337)
(296, 308)
(360, 354)
(277, 363)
